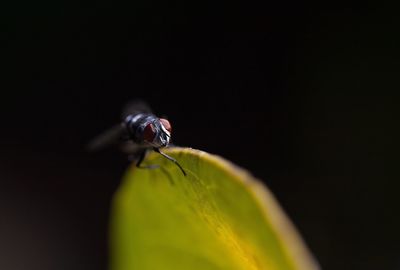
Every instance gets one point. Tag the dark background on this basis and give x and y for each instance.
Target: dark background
(299, 94)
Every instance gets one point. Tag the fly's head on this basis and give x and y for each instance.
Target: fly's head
(157, 133)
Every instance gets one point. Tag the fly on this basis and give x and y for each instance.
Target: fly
(139, 132)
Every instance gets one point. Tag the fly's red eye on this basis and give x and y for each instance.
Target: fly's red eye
(149, 133)
(166, 124)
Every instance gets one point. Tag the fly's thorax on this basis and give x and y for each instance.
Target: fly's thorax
(135, 125)
(147, 129)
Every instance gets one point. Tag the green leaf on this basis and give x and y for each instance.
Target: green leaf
(217, 217)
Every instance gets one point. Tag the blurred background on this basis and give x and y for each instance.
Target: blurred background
(302, 95)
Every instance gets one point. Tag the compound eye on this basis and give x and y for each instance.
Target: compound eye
(149, 133)
(166, 124)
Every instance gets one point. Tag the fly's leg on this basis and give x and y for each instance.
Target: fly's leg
(140, 160)
(171, 159)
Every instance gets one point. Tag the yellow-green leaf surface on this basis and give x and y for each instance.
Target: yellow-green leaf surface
(217, 217)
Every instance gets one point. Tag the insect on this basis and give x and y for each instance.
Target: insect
(139, 132)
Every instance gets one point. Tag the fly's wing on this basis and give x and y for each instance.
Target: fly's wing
(109, 137)
(118, 134)
(134, 107)
(133, 150)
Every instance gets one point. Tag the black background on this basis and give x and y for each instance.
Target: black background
(299, 94)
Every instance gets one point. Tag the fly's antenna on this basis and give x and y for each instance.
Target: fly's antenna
(171, 159)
